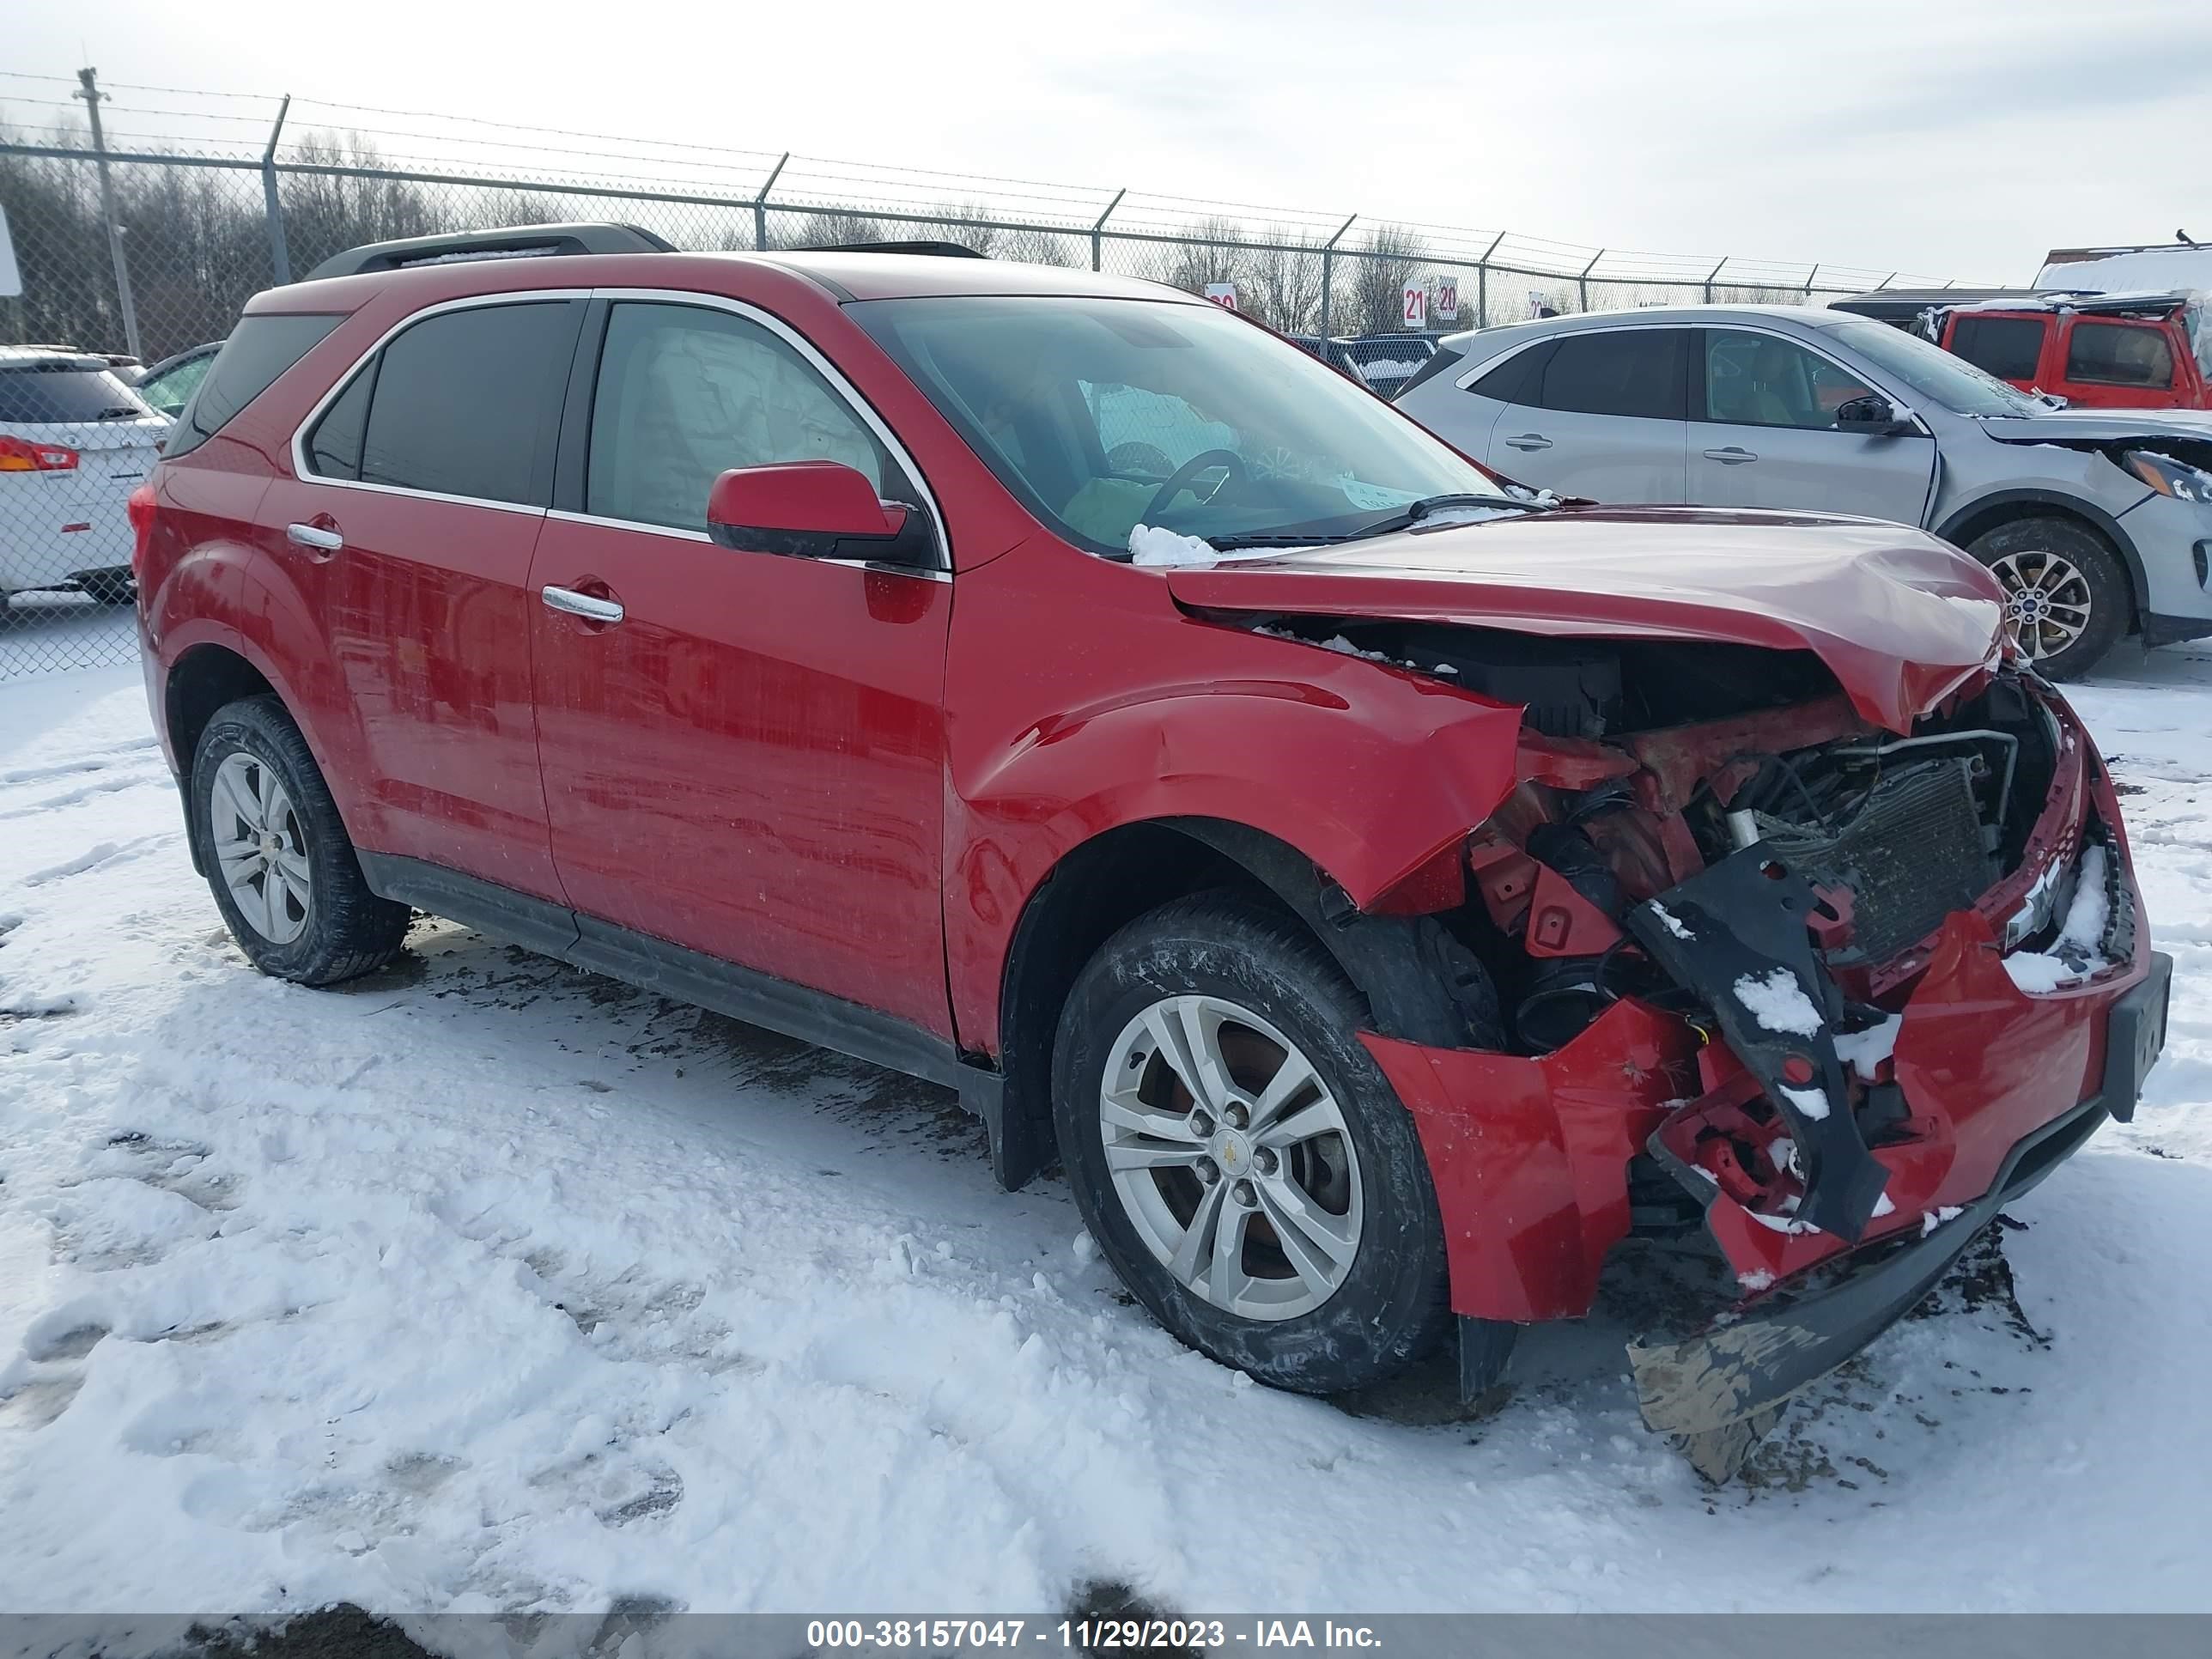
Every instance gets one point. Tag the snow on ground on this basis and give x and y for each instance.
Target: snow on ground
(485, 1284)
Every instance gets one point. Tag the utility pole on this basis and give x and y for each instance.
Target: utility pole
(88, 89)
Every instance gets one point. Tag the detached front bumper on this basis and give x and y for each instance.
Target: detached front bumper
(1718, 1392)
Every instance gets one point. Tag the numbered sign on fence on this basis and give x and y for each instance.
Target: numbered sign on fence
(1447, 299)
(1417, 306)
(1223, 294)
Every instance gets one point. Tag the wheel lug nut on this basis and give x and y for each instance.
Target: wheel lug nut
(1201, 1124)
(1237, 1116)
(1244, 1194)
(1264, 1160)
(1207, 1173)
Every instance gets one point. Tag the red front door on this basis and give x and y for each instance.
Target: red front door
(749, 762)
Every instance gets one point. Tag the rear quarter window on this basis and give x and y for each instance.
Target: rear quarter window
(2119, 354)
(258, 351)
(2010, 347)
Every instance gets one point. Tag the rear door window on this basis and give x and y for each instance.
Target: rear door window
(2119, 354)
(465, 402)
(258, 349)
(1617, 371)
(2010, 347)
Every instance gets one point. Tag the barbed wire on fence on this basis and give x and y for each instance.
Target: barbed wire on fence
(148, 233)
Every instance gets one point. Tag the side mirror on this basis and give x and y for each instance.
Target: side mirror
(1872, 416)
(813, 509)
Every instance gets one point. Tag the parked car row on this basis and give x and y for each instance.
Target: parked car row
(2097, 522)
(1382, 890)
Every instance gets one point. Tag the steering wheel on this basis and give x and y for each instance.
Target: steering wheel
(1179, 480)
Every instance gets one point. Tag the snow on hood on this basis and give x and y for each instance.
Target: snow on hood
(2099, 425)
(1900, 618)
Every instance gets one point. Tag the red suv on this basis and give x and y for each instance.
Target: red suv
(1385, 892)
(2095, 351)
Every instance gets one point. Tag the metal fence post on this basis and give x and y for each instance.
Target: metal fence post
(88, 89)
(1582, 283)
(1482, 283)
(280, 256)
(1098, 229)
(1811, 276)
(760, 206)
(1713, 277)
(1328, 270)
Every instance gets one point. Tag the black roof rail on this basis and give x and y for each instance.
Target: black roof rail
(940, 250)
(515, 242)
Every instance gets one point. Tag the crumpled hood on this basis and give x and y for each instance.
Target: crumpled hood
(1900, 618)
(2060, 426)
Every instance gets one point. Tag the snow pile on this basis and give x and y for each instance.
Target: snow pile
(1149, 545)
(2079, 950)
(1867, 1050)
(1778, 1002)
(1810, 1103)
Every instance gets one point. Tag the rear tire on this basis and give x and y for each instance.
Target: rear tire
(1337, 1278)
(278, 859)
(2066, 595)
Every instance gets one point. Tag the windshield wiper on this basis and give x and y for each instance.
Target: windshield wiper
(1417, 511)
(1405, 518)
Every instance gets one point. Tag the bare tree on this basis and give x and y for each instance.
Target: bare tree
(1284, 282)
(1380, 271)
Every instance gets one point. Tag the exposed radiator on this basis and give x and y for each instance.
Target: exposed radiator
(1912, 854)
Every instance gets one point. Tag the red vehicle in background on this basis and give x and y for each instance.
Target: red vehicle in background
(2095, 351)
(1383, 891)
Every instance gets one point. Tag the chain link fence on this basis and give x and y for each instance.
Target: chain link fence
(147, 253)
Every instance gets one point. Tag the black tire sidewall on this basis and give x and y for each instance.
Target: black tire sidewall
(349, 930)
(1392, 1307)
(2111, 600)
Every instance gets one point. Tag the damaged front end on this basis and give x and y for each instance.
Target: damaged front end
(1816, 995)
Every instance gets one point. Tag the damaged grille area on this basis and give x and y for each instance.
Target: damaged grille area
(1911, 854)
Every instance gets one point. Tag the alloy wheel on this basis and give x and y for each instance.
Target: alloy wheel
(259, 848)
(2047, 602)
(1231, 1157)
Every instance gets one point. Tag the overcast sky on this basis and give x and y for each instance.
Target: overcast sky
(1951, 138)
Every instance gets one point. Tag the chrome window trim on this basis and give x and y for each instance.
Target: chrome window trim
(837, 382)
(304, 474)
(562, 516)
(829, 371)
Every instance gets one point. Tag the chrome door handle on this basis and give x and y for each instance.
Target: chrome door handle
(568, 600)
(1732, 456)
(1530, 441)
(314, 536)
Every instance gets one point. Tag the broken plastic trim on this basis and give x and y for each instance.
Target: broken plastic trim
(1743, 920)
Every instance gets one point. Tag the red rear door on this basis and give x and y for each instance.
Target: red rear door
(401, 556)
(750, 762)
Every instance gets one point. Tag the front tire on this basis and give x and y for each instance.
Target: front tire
(278, 859)
(2066, 592)
(1239, 1156)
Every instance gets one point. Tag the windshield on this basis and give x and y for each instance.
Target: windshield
(1103, 414)
(1933, 372)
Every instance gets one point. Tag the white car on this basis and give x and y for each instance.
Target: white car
(74, 441)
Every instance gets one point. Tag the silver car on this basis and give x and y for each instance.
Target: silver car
(2098, 523)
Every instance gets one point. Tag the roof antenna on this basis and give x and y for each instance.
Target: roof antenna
(2184, 238)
